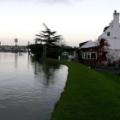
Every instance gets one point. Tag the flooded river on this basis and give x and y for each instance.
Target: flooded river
(29, 89)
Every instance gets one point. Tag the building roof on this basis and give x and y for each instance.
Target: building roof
(89, 44)
(81, 44)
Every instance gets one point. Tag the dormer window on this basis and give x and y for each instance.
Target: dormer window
(108, 33)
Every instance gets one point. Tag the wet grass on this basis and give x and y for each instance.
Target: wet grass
(88, 95)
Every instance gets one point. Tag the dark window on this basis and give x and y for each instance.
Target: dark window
(108, 33)
(88, 56)
(93, 56)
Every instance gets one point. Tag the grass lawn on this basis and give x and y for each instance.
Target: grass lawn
(88, 95)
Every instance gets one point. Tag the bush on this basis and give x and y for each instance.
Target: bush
(52, 51)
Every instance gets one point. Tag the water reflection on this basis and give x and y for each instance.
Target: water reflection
(29, 89)
(47, 70)
(16, 60)
(29, 58)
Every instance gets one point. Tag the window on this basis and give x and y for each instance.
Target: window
(93, 56)
(83, 55)
(108, 33)
(88, 55)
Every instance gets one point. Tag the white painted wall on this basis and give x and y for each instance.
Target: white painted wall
(114, 29)
(114, 38)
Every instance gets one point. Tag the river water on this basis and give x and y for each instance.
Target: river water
(29, 89)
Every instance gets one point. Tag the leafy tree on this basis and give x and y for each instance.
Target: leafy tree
(48, 37)
(49, 40)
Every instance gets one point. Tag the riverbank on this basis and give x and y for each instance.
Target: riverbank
(88, 95)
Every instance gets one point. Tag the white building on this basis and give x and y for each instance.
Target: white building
(111, 34)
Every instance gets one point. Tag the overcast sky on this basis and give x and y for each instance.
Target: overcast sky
(75, 20)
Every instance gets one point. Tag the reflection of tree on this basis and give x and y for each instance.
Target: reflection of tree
(28, 61)
(48, 69)
(36, 66)
(16, 60)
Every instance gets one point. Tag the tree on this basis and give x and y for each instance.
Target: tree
(48, 37)
(102, 51)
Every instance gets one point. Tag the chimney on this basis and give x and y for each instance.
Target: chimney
(116, 16)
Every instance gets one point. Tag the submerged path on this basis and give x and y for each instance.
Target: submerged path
(88, 95)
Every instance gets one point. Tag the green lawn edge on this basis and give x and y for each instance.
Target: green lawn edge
(88, 95)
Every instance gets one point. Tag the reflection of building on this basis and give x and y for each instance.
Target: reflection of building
(106, 48)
